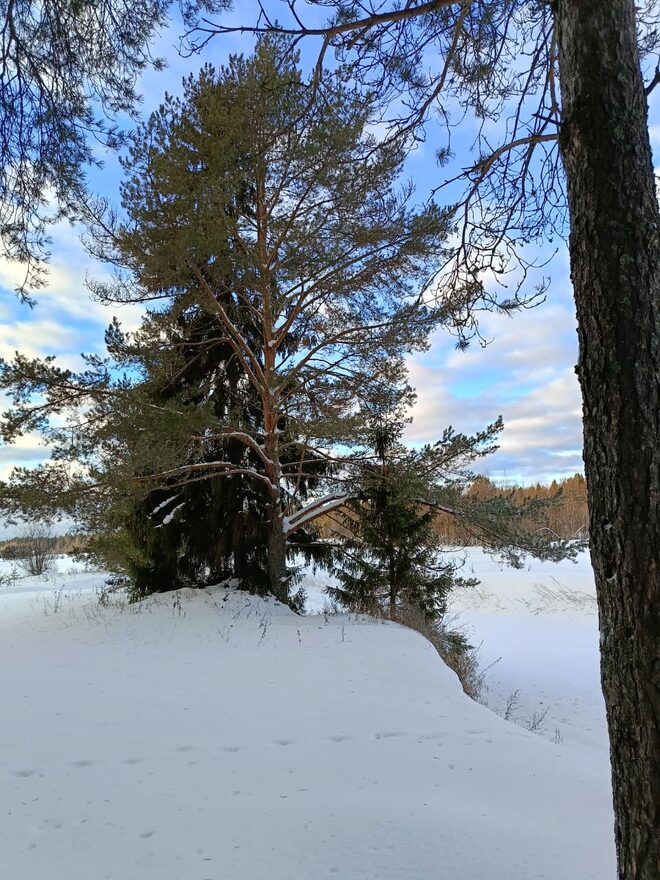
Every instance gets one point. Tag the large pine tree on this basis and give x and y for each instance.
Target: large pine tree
(282, 221)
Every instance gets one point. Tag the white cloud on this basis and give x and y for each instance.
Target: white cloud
(525, 374)
(65, 319)
(27, 450)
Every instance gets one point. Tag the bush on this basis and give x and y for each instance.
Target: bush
(37, 555)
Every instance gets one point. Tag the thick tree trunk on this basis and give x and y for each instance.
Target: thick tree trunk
(615, 268)
(278, 583)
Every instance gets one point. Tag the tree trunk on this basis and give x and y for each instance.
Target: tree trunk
(278, 583)
(615, 268)
(393, 589)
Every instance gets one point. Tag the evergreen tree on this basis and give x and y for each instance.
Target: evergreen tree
(282, 220)
(200, 532)
(197, 532)
(393, 555)
(60, 62)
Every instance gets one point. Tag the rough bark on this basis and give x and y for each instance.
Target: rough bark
(615, 269)
(276, 545)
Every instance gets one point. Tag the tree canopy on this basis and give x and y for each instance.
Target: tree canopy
(68, 69)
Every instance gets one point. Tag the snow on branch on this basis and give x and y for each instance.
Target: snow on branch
(163, 504)
(312, 511)
(170, 516)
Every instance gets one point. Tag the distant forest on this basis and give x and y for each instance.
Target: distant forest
(562, 510)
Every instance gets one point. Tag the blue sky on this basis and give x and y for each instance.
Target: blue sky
(525, 373)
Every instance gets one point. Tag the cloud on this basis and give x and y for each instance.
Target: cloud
(27, 450)
(35, 338)
(65, 319)
(525, 374)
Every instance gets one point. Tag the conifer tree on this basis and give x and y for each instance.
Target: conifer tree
(67, 70)
(201, 532)
(393, 555)
(198, 531)
(283, 221)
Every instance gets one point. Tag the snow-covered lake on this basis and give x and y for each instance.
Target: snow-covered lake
(202, 735)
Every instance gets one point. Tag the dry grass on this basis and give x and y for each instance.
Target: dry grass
(451, 645)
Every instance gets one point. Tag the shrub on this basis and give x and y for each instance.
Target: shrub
(37, 557)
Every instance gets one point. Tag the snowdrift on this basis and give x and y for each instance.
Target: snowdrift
(215, 736)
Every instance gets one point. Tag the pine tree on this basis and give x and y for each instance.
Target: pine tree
(204, 531)
(283, 221)
(67, 69)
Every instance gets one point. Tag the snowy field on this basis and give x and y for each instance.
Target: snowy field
(536, 630)
(538, 627)
(213, 736)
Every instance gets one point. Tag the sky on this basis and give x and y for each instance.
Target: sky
(525, 373)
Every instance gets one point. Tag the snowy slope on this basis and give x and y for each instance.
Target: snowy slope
(215, 736)
(537, 632)
(539, 627)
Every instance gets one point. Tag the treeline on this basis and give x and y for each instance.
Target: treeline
(57, 545)
(559, 508)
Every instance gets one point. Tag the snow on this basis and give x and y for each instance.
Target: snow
(204, 735)
(163, 504)
(170, 516)
(311, 511)
(539, 629)
(536, 630)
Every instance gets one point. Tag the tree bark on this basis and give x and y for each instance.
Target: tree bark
(393, 588)
(278, 583)
(615, 269)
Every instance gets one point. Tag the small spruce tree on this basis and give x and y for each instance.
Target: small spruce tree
(393, 556)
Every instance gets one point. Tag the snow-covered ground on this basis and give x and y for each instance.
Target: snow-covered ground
(214, 736)
(539, 628)
(536, 630)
